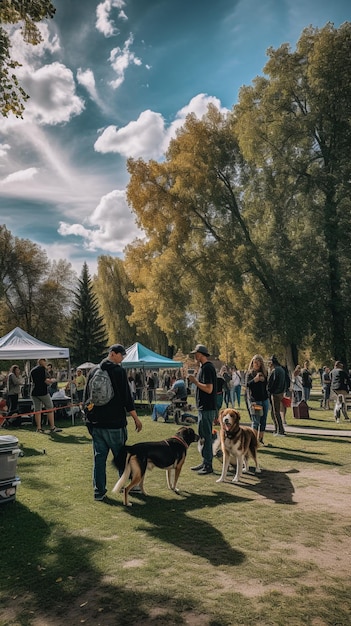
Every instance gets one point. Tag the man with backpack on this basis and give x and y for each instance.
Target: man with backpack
(107, 422)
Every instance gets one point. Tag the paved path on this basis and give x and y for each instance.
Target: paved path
(315, 432)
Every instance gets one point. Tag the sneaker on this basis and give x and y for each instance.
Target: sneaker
(40, 430)
(99, 498)
(206, 469)
(56, 430)
(279, 435)
(196, 468)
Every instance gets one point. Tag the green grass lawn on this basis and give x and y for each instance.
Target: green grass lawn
(271, 551)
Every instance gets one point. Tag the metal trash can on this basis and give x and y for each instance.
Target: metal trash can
(9, 453)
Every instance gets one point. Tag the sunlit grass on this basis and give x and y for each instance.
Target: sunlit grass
(217, 553)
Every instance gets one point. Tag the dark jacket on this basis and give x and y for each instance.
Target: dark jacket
(114, 413)
(276, 380)
(339, 380)
(256, 390)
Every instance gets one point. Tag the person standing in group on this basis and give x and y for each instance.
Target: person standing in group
(306, 380)
(276, 388)
(14, 382)
(79, 382)
(235, 387)
(340, 385)
(226, 388)
(297, 388)
(257, 395)
(41, 396)
(220, 391)
(326, 382)
(108, 423)
(206, 402)
(150, 384)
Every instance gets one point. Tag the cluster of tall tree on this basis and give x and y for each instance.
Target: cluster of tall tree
(247, 229)
(248, 217)
(35, 293)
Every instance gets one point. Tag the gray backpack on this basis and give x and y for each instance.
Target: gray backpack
(100, 390)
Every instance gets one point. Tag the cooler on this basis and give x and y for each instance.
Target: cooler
(9, 452)
(8, 489)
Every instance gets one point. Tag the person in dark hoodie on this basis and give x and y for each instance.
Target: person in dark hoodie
(276, 388)
(108, 423)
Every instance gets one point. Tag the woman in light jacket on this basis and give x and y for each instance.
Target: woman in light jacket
(297, 389)
(14, 382)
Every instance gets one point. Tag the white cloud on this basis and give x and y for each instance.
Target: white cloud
(110, 227)
(148, 137)
(21, 175)
(52, 94)
(4, 147)
(121, 59)
(86, 79)
(142, 138)
(103, 22)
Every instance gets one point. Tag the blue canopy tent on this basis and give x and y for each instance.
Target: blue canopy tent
(138, 356)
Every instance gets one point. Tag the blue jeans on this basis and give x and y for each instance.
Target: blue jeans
(259, 423)
(206, 419)
(235, 392)
(307, 393)
(104, 440)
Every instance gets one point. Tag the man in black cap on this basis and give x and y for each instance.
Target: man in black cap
(206, 402)
(276, 388)
(108, 423)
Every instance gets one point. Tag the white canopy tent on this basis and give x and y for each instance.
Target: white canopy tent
(19, 345)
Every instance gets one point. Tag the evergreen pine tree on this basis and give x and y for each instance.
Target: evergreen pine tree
(87, 337)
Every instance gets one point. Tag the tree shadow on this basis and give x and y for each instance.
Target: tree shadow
(191, 534)
(35, 585)
(298, 456)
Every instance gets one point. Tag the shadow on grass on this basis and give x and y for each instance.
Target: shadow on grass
(48, 577)
(272, 485)
(288, 454)
(191, 534)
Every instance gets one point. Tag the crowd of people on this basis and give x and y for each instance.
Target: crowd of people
(264, 387)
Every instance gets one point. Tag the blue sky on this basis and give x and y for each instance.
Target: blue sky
(114, 79)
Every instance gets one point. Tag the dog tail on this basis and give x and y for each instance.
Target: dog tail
(126, 473)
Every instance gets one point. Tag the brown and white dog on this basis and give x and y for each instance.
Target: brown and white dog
(238, 444)
(169, 454)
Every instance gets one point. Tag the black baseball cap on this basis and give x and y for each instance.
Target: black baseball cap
(200, 348)
(117, 347)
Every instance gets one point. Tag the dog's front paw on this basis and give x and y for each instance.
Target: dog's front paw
(258, 470)
(236, 479)
(220, 480)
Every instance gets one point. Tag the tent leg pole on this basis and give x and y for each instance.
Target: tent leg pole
(71, 388)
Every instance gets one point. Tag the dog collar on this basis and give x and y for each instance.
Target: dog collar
(230, 435)
(181, 441)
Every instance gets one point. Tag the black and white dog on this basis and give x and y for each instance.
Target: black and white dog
(340, 407)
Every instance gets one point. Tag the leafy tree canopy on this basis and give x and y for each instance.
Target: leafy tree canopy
(28, 13)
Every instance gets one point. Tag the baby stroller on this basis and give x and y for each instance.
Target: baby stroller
(179, 408)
